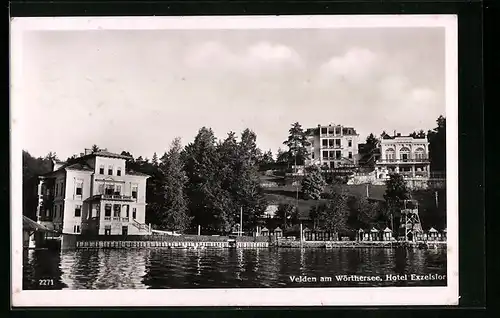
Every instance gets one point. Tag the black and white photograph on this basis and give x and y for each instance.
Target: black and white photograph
(272, 160)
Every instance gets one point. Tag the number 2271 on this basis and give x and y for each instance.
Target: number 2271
(46, 282)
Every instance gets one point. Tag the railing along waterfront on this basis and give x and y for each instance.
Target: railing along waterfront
(407, 160)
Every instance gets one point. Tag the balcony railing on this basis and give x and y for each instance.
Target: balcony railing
(331, 147)
(118, 197)
(407, 160)
(116, 219)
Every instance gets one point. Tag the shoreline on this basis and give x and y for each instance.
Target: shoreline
(253, 245)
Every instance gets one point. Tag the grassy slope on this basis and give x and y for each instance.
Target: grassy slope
(430, 215)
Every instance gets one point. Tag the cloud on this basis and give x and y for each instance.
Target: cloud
(262, 55)
(355, 65)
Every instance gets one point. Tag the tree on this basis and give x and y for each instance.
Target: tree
(366, 213)
(371, 141)
(200, 160)
(437, 146)
(334, 214)
(285, 213)
(266, 159)
(395, 193)
(174, 214)
(282, 157)
(248, 146)
(154, 161)
(297, 144)
(248, 192)
(420, 134)
(95, 148)
(32, 169)
(313, 184)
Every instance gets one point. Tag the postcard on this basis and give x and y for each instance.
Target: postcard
(234, 161)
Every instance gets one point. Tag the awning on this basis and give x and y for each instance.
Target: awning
(30, 225)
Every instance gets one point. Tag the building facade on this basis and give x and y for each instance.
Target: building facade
(405, 155)
(95, 194)
(333, 146)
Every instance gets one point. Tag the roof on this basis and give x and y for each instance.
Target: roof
(103, 153)
(30, 225)
(135, 173)
(79, 166)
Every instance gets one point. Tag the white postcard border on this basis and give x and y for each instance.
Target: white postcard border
(358, 296)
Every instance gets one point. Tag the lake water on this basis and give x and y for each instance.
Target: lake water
(227, 268)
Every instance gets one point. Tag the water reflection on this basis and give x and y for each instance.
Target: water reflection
(223, 268)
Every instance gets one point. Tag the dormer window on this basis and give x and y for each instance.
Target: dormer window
(110, 170)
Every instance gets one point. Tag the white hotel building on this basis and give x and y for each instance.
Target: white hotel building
(333, 146)
(95, 194)
(405, 155)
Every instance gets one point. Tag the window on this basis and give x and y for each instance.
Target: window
(349, 143)
(312, 156)
(330, 143)
(118, 190)
(325, 155)
(101, 169)
(126, 209)
(325, 142)
(55, 211)
(107, 230)
(337, 131)
(119, 171)
(419, 154)
(78, 210)
(338, 155)
(79, 188)
(134, 192)
(110, 189)
(110, 170)
(107, 210)
(337, 143)
(116, 210)
(101, 189)
(389, 154)
(404, 154)
(76, 228)
(350, 155)
(57, 189)
(332, 154)
(323, 131)
(134, 213)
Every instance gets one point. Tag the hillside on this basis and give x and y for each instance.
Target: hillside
(430, 214)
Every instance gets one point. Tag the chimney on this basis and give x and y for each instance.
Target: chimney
(394, 133)
(88, 151)
(82, 154)
(56, 165)
(399, 134)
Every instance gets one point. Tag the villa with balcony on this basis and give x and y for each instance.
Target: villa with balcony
(404, 155)
(94, 194)
(333, 146)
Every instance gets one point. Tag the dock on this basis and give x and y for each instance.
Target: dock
(165, 244)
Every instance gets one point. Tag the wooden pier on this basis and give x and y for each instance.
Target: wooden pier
(165, 244)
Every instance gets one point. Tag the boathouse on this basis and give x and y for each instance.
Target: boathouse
(34, 234)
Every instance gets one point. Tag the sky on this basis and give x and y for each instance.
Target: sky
(138, 90)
